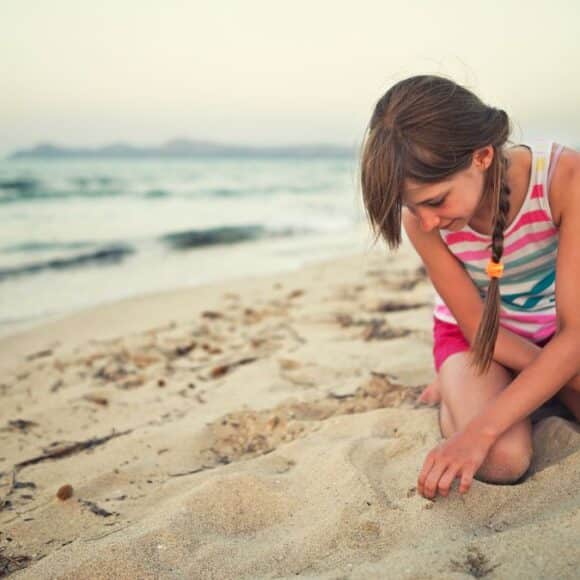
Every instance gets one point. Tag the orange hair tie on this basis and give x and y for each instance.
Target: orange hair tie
(494, 269)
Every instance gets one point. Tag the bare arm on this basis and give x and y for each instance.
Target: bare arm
(559, 361)
(462, 297)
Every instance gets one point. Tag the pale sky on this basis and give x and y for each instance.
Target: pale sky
(86, 72)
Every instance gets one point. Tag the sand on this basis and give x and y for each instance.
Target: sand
(266, 428)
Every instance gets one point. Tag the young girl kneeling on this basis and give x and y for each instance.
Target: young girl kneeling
(498, 229)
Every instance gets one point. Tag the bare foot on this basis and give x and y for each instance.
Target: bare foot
(431, 394)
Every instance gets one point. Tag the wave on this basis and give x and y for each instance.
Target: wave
(25, 247)
(307, 189)
(115, 253)
(107, 255)
(19, 184)
(17, 189)
(41, 194)
(102, 180)
(156, 193)
(213, 236)
(224, 235)
(31, 190)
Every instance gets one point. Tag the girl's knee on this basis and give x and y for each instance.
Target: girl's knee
(508, 460)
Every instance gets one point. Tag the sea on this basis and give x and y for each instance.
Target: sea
(75, 233)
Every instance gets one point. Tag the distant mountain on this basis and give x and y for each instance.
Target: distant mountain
(180, 148)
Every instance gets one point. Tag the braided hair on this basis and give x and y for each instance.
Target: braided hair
(486, 336)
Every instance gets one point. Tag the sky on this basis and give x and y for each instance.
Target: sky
(267, 72)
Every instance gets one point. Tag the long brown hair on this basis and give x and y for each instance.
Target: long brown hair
(426, 128)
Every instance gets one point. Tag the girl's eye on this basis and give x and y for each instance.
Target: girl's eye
(437, 203)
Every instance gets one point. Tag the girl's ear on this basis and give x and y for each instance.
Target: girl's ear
(483, 157)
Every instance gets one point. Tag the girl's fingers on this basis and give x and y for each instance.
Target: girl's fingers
(466, 480)
(429, 461)
(446, 480)
(432, 480)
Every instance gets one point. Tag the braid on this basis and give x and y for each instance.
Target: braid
(502, 215)
(484, 342)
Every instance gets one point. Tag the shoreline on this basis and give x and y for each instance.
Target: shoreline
(101, 321)
(176, 271)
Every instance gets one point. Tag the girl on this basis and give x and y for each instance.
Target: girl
(498, 229)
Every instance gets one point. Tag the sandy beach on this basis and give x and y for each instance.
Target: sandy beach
(264, 428)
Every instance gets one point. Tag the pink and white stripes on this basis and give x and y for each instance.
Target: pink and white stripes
(530, 250)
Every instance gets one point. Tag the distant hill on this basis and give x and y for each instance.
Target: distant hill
(180, 148)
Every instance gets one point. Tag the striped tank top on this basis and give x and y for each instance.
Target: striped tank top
(527, 287)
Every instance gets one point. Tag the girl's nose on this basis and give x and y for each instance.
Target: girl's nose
(428, 220)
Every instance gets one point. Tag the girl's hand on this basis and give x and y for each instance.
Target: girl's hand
(431, 394)
(459, 456)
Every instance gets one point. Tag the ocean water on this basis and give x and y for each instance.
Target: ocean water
(76, 233)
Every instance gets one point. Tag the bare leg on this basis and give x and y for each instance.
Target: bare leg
(464, 394)
(571, 398)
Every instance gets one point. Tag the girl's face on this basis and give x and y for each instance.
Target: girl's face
(453, 203)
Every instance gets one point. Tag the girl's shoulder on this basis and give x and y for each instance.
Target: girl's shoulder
(566, 175)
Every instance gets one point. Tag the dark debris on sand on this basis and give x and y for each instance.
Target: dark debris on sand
(12, 563)
(374, 328)
(475, 563)
(94, 508)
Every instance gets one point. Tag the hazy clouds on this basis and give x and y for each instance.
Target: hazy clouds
(256, 71)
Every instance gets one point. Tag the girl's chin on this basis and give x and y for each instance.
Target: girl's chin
(453, 225)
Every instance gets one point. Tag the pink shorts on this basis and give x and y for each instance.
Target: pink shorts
(448, 339)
